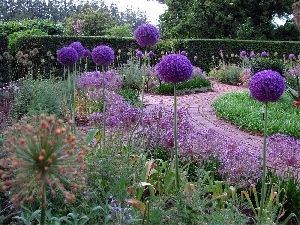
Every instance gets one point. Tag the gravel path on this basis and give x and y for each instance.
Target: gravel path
(202, 114)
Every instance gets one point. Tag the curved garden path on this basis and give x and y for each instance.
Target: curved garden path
(202, 114)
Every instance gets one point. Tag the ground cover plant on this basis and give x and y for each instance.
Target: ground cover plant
(242, 110)
(141, 164)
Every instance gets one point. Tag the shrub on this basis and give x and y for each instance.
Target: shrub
(228, 74)
(197, 84)
(263, 63)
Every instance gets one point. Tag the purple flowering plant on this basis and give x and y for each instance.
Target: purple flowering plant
(67, 56)
(266, 86)
(146, 35)
(78, 47)
(103, 55)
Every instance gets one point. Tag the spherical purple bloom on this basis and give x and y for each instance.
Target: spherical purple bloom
(67, 56)
(264, 54)
(175, 68)
(243, 53)
(78, 47)
(252, 55)
(267, 86)
(103, 55)
(291, 56)
(150, 54)
(86, 53)
(183, 53)
(139, 54)
(146, 35)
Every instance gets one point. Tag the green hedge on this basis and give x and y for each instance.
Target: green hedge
(3, 61)
(204, 49)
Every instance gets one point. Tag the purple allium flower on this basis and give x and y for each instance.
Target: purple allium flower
(86, 53)
(67, 56)
(243, 53)
(78, 47)
(264, 54)
(146, 35)
(252, 55)
(150, 54)
(183, 53)
(267, 86)
(175, 68)
(139, 54)
(103, 55)
(291, 56)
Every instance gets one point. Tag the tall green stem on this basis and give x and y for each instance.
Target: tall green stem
(263, 188)
(104, 105)
(44, 204)
(175, 140)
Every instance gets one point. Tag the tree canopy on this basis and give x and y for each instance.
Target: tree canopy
(251, 19)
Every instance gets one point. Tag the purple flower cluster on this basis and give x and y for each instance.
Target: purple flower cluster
(175, 68)
(120, 115)
(239, 164)
(292, 56)
(252, 55)
(264, 54)
(67, 56)
(146, 35)
(103, 55)
(112, 80)
(283, 153)
(150, 54)
(243, 53)
(267, 86)
(198, 72)
(78, 47)
(139, 54)
(86, 53)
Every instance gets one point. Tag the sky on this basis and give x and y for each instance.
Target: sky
(152, 8)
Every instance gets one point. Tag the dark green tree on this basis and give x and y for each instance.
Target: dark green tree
(222, 18)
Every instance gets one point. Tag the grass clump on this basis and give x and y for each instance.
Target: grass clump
(197, 84)
(246, 113)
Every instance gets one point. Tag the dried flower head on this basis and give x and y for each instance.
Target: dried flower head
(146, 35)
(175, 68)
(67, 56)
(103, 55)
(78, 47)
(267, 86)
(41, 154)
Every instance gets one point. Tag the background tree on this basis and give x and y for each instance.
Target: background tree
(222, 18)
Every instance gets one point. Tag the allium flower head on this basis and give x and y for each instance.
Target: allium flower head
(183, 53)
(86, 53)
(67, 56)
(291, 56)
(41, 153)
(78, 47)
(146, 35)
(103, 55)
(267, 86)
(139, 54)
(150, 54)
(175, 68)
(243, 53)
(264, 54)
(252, 55)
